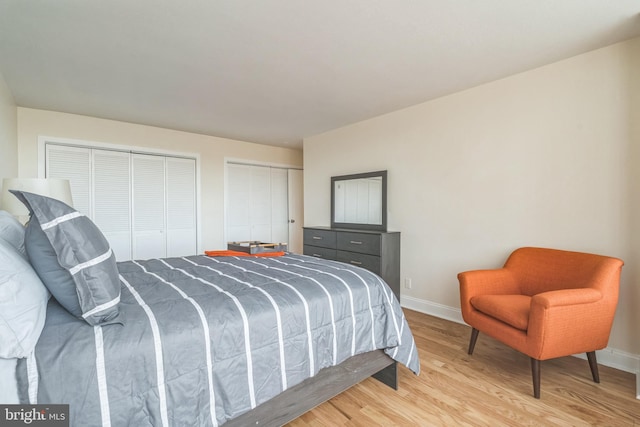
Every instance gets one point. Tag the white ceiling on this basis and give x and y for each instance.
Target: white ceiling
(276, 71)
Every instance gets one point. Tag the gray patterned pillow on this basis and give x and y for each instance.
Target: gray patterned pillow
(72, 258)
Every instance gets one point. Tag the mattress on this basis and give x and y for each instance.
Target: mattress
(201, 340)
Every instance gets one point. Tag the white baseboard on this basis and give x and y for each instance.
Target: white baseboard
(609, 356)
(432, 308)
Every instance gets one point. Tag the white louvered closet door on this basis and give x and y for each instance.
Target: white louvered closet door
(74, 164)
(145, 205)
(181, 207)
(112, 199)
(149, 237)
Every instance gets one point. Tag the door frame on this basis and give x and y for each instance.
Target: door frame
(296, 211)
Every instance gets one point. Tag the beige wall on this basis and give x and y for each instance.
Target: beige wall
(8, 134)
(542, 158)
(633, 193)
(213, 151)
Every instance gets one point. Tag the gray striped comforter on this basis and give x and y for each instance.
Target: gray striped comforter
(203, 340)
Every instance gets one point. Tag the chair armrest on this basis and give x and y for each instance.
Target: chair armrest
(568, 321)
(485, 282)
(566, 297)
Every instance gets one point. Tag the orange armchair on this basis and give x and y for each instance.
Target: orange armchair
(545, 303)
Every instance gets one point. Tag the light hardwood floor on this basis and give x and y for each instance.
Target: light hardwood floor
(491, 388)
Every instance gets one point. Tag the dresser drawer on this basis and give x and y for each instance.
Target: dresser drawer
(370, 262)
(359, 242)
(323, 238)
(319, 252)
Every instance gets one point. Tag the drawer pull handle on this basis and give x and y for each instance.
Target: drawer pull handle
(317, 255)
(317, 238)
(355, 262)
(355, 242)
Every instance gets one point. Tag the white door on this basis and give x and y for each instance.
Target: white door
(296, 209)
(74, 164)
(112, 199)
(279, 206)
(149, 238)
(238, 195)
(260, 205)
(257, 205)
(181, 207)
(145, 205)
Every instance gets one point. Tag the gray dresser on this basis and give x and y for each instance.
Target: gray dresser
(377, 251)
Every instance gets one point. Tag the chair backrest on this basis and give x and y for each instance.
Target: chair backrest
(540, 270)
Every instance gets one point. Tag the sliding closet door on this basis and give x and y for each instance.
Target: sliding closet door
(237, 202)
(145, 205)
(248, 210)
(100, 188)
(279, 206)
(256, 204)
(149, 238)
(74, 164)
(112, 199)
(181, 207)
(260, 204)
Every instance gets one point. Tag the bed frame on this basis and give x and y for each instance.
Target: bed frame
(328, 383)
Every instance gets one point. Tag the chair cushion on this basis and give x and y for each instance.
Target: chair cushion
(510, 309)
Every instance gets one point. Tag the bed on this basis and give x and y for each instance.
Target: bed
(201, 340)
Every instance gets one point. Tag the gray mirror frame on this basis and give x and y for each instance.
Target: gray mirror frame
(357, 226)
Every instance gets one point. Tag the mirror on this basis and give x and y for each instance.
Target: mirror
(359, 201)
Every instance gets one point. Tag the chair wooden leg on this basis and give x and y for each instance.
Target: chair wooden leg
(535, 373)
(474, 338)
(593, 364)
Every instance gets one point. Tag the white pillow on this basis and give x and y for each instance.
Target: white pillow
(23, 304)
(9, 389)
(12, 231)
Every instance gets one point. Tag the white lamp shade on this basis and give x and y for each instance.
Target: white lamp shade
(51, 187)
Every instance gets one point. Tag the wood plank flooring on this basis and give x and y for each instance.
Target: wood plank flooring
(491, 388)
